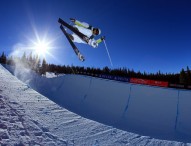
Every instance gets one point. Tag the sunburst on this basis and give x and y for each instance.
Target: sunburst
(42, 47)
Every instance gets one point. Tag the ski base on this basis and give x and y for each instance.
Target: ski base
(81, 35)
(77, 52)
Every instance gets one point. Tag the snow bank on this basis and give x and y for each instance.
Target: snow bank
(151, 111)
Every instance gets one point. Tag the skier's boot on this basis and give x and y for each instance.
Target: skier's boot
(71, 37)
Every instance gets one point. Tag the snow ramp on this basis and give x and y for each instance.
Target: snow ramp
(161, 113)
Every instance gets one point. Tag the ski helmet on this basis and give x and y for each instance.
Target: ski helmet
(98, 31)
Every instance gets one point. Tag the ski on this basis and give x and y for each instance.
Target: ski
(81, 35)
(80, 56)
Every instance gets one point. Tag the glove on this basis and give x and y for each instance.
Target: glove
(103, 38)
(73, 20)
(94, 44)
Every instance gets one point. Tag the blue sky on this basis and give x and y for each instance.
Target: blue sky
(141, 35)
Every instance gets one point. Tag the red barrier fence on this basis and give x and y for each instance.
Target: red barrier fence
(149, 82)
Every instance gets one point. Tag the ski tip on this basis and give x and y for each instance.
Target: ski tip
(82, 59)
(61, 27)
(59, 20)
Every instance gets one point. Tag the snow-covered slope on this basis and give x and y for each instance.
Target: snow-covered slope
(157, 112)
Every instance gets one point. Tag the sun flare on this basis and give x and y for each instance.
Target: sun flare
(41, 44)
(41, 48)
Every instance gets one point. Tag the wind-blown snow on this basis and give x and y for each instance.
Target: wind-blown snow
(109, 102)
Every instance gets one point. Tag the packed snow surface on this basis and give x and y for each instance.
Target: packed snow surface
(27, 117)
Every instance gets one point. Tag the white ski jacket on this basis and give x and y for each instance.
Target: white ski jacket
(87, 30)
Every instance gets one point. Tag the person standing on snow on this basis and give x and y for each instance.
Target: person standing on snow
(87, 30)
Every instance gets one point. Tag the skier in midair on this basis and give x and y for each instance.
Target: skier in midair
(87, 30)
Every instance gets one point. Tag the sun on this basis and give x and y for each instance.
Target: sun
(41, 44)
(41, 48)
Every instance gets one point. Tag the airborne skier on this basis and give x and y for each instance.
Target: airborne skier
(82, 33)
(87, 30)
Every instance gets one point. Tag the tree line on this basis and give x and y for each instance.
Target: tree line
(30, 61)
(41, 67)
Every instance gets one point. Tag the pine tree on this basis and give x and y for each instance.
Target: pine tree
(188, 76)
(24, 58)
(3, 58)
(182, 77)
(106, 70)
(44, 67)
(30, 60)
(10, 61)
(36, 63)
